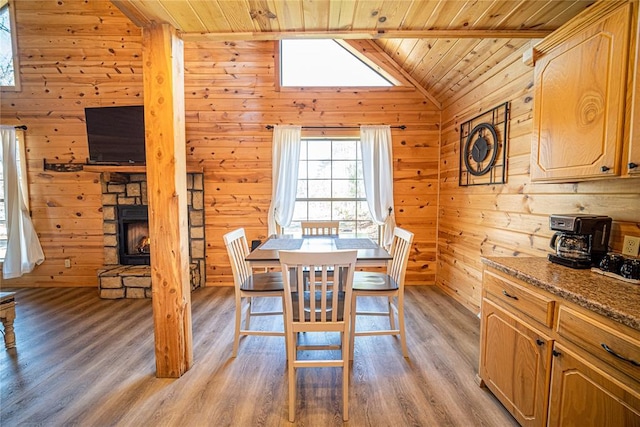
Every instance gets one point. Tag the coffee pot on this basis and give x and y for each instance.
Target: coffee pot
(580, 241)
(572, 246)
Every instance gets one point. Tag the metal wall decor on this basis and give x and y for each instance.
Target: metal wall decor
(483, 148)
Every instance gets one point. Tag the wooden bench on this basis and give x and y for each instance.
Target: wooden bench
(7, 315)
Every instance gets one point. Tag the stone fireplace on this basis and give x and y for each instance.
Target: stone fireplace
(126, 273)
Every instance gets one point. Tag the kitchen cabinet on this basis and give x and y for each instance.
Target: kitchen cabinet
(583, 394)
(632, 154)
(515, 353)
(580, 113)
(552, 362)
(515, 364)
(590, 372)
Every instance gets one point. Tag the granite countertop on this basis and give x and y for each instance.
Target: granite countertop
(610, 297)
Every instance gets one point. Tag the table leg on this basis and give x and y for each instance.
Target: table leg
(9, 334)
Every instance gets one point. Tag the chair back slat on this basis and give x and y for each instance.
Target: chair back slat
(300, 288)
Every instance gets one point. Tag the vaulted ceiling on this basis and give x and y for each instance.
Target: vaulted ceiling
(441, 45)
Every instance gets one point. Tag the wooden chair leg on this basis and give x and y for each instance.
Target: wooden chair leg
(346, 357)
(247, 316)
(286, 331)
(403, 336)
(236, 337)
(291, 350)
(392, 320)
(352, 326)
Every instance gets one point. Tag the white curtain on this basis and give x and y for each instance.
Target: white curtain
(286, 157)
(377, 167)
(23, 247)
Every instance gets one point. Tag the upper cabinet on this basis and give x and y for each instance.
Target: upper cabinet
(583, 91)
(632, 155)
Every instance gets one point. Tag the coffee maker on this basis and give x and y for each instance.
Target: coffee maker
(580, 241)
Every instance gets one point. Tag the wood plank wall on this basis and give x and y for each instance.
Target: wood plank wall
(75, 54)
(510, 219)
(230, 97)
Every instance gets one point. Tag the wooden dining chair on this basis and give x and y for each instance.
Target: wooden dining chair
(389, 285)
(320, 228)
(321, 311)
(279, 229)
(249, 285)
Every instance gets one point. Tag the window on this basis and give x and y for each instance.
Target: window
(317, 63)
(23, 184)
(331, 187)
(8, 51)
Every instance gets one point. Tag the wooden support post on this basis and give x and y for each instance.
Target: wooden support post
(163, 67)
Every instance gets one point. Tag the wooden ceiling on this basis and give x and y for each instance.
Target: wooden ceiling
(441, 45)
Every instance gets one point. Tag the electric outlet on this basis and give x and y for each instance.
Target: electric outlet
(631, 245)
(67, 263)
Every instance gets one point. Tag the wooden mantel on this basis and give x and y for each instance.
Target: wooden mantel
(191, 168)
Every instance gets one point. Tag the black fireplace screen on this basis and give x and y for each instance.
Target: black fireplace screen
(133, 235)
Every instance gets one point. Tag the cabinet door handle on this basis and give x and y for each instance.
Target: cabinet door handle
(539, 341)
(605, 168)
(508, 295)
(632, 165)
(613, 353)
(556, 353)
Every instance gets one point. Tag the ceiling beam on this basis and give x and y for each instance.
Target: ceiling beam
(363, 35)
(131, 11)
(392, 62)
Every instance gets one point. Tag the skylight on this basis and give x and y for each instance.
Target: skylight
(319, 62)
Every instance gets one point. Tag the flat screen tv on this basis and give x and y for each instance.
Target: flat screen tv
(115, 134)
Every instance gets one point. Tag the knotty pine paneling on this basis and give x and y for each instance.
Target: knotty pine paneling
(75, 54)
(230, 97)
(226, 134)
(510, 219)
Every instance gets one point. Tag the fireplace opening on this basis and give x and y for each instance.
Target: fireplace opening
(133, 235)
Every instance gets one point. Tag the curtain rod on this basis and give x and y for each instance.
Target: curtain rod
(21, 127)
(403, 127)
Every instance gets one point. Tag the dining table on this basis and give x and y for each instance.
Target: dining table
(370, 253)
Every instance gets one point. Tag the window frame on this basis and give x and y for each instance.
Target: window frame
(384, 73)
(9, 4)
(362, 199)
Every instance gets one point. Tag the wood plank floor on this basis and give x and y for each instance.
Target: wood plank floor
(83, 361)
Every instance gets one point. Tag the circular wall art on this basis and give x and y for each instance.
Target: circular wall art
(483, 148)
(480, 150)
